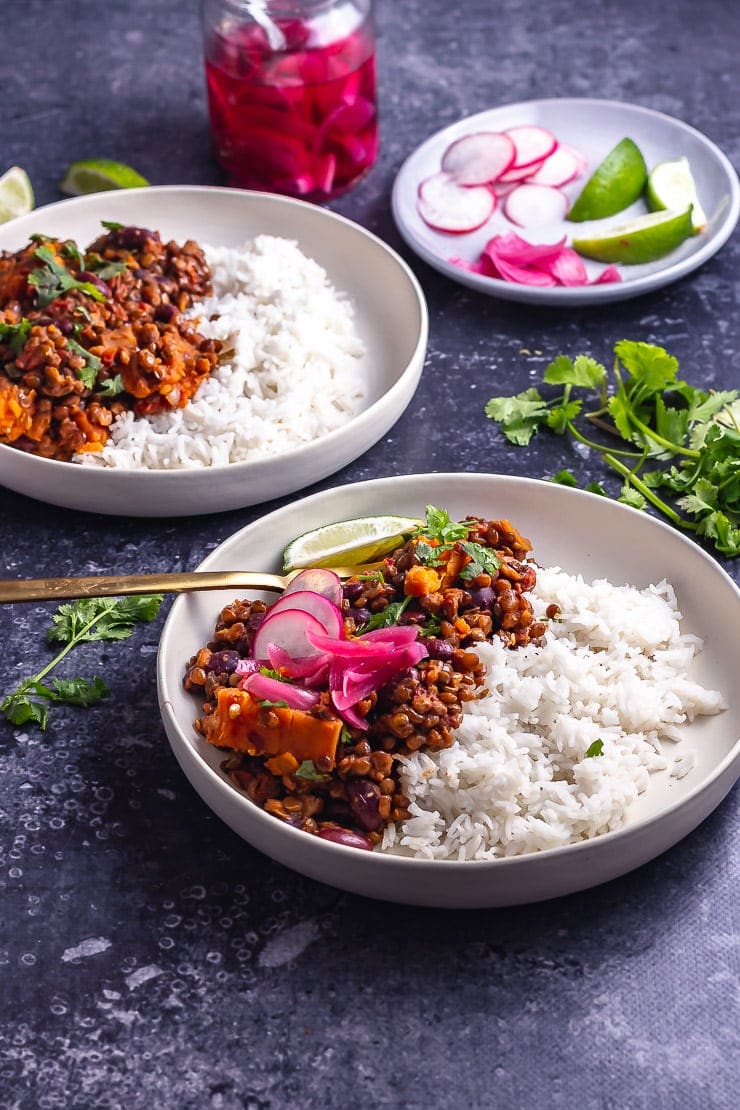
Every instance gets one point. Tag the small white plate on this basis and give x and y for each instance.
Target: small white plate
(390, 314)
(594, 127)
(602, 539)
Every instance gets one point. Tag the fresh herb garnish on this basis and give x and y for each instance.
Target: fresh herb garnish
(54, 280)
(345, 736)
(597, 748)
(268, 703)
(270, 672)
(111, 387)
(693, 435)
(429, 556)
(92, 364)
(112, 225)
(104, 269)
(307, 770)
(482, 561)
(568, 478)
(82, 621)
(432, 626)
(386, 617)
(70, 248)
(439, 527)
(16, 334)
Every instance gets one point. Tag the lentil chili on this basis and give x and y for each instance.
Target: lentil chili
(457, 594)
(87, 335)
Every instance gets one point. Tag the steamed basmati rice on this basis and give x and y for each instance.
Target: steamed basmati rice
(517, 778)
(291, 370)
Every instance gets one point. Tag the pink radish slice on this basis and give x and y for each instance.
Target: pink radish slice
(533, 144)
(325, 611)
(272, 689)
(535, 204)
(478, 158)
(519, 174)
(320, 581)
(559, 168)
(447, 206)
(502, 189)
(581, 159)
(288, 630)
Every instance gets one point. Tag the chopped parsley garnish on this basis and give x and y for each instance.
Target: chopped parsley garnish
(83, 621)
(388, 616)
(597, 748)
(483, 561)
(691, 436)
(53, 280)
(439, 527)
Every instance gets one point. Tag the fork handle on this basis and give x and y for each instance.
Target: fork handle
(43, 589)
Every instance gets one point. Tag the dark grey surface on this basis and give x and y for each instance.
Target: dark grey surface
(147, 956)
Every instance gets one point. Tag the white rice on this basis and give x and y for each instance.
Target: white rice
(295, 373)
(517, 778)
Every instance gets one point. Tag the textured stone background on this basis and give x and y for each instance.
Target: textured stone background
(148, 957)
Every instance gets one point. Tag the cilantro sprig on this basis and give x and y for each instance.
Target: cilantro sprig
(672, 436)
(83, 621)
(53, 280)
(386, 617)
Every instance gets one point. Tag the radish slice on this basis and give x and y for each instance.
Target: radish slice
(320, 581)
(535, 204)
(502, 188)
(325, 611)
(532, 144)
(447, 206)
(559, 168)
(580, 158)
(519, 174)
(288, 630)
(478, 158)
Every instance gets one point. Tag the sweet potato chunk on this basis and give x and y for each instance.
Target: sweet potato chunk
(241, 723)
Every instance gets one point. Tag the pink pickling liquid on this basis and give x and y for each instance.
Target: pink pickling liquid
(301, 121)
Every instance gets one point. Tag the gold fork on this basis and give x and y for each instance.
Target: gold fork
(42, 589)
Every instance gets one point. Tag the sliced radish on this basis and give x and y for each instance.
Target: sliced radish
(535, 204)
(532, 143)
(580, 158)
(308, 601)
(287, 630)
(320, 580)
(503, 188)
(447, 206)
(558, 168)
(520, 173)
(478, 158)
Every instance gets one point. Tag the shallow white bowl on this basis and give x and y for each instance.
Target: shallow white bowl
(577, 531)
(391, 317)
(593, 127)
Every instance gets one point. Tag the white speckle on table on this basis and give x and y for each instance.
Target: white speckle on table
(289, 945)
(142, 975)
(91, 946)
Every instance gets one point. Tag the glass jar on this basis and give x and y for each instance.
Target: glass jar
(291, 93)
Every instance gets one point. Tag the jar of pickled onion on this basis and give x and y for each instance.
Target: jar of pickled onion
(292, 93)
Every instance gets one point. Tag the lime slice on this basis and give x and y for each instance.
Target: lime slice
(349, 542)
(644, 239)
(96, 175)
(16, 194)
(613, 186)
(671, 186)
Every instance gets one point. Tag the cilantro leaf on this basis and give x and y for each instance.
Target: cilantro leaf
(582, 371)
(112, 225)
(483, 561)
(53, 280)
(519, 416)
(561, 416)
(386, 617)
(16, 335)
(564, 478)
(632, 497)
(307, 770)
(78, 691)
(439, 527)
(89, 371)
(597, 748)
(110, 387)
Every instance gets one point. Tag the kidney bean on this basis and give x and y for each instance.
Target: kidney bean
(348, 837)
(438, 648)
(223, 662)
(364, 797)
(483, 598)
(353, 590)
(166, 313)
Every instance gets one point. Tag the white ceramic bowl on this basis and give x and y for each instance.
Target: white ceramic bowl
(578, 531)
(593, 127)
(391, 317)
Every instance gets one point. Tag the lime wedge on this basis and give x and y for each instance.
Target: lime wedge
(644, 239)
(349, 542)
(96, 175)
(16, 194)
(613, 186)
(671, 186)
